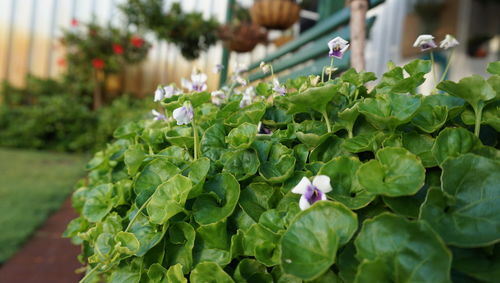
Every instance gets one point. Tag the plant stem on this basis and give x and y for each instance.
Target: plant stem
(89, 273)
(477, 125)
(433, 67)
(195, 137)
(331, 69)
(138, 212)
(447, 66)
(272, 71)
(327, 121)
(323, 75)
(349, 133)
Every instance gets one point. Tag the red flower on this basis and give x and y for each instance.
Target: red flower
(74, 22)
(98, 63)
(137, 41)
(117, 48)
(61, 62)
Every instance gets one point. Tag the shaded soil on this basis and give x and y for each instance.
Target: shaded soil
(46, 257)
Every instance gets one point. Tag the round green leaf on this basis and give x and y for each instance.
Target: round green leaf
(393, 249)
(309, 246)
(98, 203)
(242, 164)
(209, 272)
(154, 173)
(466, 212)
(168, 199)
(242, 136)
(430, 118)
(395, 172)
(128, 243)
(179, 245)
(258, 198)
(345, 186)
(212, 143)
(453, 142)
(147, 234)
(250, 270)
(220, 198)
(180, 136)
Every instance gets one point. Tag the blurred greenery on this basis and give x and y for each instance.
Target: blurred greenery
(32, 185)
(43, 115)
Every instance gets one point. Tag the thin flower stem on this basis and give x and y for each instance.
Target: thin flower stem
(477, 125)
(195, 137)
(331, 69)
(447, 66)
(272, 71)
(323, 75)
(433, 67)
(137, 214)
(327, 121)
(87, 276)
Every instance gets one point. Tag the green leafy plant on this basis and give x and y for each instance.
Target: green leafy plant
(403, 190)
(189, 31)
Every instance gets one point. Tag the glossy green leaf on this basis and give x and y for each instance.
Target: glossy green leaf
(242, 164)
(494, 68)
(395, 172)
(418, 66)
(279, 164)
(251, 114)
(134, 156)
(315, 98)
(209, 272)
(481, 263)
(491, 116)
(180, 243)
(157, 273)
(174, 274)
(262, 243)
(466, 212)
(180, 136)
(127, 243)
(257, 198)
(168, 199)
(475, 90)
(387, 111)
(420, 145)
(148, 234)
(328, 149)
(220, 197)
(276, 116)
(309, 246)
(213, 143)
(430, 118)
(242, 136)
(345, 186)
(453, 142)
(129, 272)
(249, 270)
(154, 173)
(393, 249)
(98, 203)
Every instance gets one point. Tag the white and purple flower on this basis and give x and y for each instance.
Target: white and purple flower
(198, 82)
(338, 46)
(166, 92)
(157, 116)
(218, 97)
(449, 42)
(184, 114)
(265, 67)
(281, 90)
(425, 42)
(218, 68)
(312, 192)
(248, 97)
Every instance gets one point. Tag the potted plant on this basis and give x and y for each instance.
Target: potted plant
(241, 35)
(275, 14)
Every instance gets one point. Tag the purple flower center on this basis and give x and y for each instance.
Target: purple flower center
(197, 87)
(427, 46)
(313, 194)
(336, 53)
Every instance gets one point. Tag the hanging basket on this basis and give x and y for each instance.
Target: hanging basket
(243, 37)
(275, 14)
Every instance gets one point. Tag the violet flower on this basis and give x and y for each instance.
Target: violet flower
(312, 192)
(425, 42)
(157, 116)
(338, 46)
(198, 82)
(218, 97)
(449, 42)
(184, 114)
(248, 97)
(281, 90)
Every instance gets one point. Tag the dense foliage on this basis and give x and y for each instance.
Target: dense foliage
(415, 194)
(188, 31)
(43, 115)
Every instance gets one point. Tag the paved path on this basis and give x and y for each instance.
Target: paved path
(46, 257)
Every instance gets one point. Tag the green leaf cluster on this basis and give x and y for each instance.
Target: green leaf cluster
(415, 193)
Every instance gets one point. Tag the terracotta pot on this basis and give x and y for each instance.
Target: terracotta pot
(282, 40)
(242, 38)
(275, 14)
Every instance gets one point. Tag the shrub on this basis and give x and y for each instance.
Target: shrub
(411, 192)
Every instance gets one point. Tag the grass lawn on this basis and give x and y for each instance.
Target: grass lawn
(32, 185)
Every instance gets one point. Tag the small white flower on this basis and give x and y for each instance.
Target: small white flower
(449, 42)
(338, 46)
(158, 116)
(240, 80)
(170, 91)
(197, 83)
(425, 42)
(184, 114)
(248, 97)
(281, 90)
(159, 94)
(218, 97)
(218, 68)
(312, 192)
(265, 67)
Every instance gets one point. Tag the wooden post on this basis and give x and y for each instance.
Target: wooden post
(358, 33)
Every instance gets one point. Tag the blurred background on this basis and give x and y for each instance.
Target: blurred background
(72, 71)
